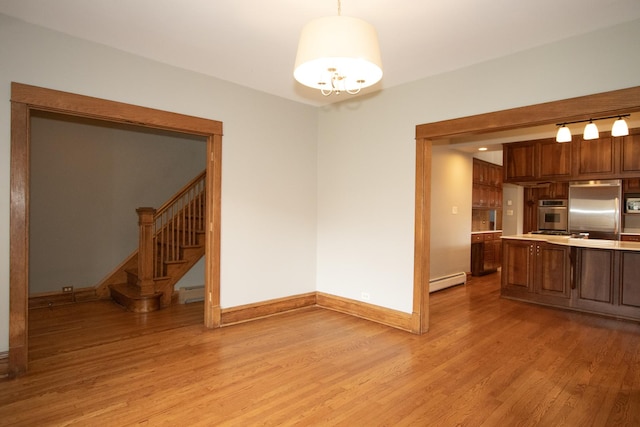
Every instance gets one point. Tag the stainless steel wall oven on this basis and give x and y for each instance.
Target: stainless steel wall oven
(552, 215)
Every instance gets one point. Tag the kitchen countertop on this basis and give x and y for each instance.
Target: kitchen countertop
(487, 231)
(580, 243)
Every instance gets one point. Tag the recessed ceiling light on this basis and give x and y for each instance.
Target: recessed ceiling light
(482, 149)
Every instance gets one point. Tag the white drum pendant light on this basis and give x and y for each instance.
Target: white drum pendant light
(338, 53)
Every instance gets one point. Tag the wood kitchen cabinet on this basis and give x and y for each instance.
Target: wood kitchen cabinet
(631, 185)
(579, 276)
(535, 270)
(541, 160)
(487, 185)
(607, 282)
(595, 159)
(486, 253)
(630, 238)
(594, 278)
(555, 190)
(629, 283)
(546, 160)
(630, 154)
(518, 161)
(554, 160)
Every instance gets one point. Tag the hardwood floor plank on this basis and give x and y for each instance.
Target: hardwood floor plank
(486, 361)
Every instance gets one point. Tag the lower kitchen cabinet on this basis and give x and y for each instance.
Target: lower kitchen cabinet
(535, 270)
(486, 253)
(595, 280)
(608, 282)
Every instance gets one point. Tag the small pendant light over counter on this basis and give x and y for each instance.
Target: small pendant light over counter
(619, 128)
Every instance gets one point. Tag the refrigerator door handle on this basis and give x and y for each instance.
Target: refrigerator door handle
(617, 221)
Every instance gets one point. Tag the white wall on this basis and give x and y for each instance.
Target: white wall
(366, 151)
(494, 157)
(451, 187)
(512, 214)
(269, 155)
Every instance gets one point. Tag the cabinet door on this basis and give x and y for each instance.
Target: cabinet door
(595, 158)
(481, 172)
(519, 161)
(497, 248)
(630, 154)
(475, 196)
(552, 270)
(631, 185)
(555, 159)
(518, 258)
(630, 285)
(489, 256)
(595, 277)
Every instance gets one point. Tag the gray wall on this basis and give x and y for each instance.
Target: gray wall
(87, 179)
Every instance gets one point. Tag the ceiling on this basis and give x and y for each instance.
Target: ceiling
(253, 42)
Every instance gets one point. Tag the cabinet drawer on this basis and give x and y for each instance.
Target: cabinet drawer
(630, 238)
(475, 238)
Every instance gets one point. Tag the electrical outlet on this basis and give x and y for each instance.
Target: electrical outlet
(67, 289)
(365, 296)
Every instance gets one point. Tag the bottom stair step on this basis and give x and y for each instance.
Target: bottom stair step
(129, 297)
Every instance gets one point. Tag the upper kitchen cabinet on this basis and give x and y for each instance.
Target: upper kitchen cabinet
(542, 160)
(608, 157)
(549, 161)
(555, 159)
(595, 159)
(630, 153)
(518, 161)
(487, 185)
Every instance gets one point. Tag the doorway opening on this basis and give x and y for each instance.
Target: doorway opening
(25, 101)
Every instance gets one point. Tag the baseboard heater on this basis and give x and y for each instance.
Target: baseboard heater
(447, 281)
(190, 294)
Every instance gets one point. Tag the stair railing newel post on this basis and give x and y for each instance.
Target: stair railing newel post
(146, 251)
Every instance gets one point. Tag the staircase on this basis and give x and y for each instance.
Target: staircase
(171, 241)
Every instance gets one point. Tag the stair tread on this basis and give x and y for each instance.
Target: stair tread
(131, 291)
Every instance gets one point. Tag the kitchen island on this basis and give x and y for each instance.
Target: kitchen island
(589, 275)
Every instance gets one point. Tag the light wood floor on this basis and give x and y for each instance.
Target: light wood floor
(486, 361)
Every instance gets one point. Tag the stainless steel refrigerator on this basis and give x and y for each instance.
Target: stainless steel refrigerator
(594, 208)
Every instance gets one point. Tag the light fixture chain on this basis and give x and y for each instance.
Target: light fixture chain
(339, 8)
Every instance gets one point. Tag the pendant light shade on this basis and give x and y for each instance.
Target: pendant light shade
(620, 128)
(591, 131)
(564, 134)
(338, 53)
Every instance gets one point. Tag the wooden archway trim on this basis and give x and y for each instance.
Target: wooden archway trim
(24, 99)
(580, 108)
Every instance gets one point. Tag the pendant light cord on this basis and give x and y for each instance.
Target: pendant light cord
(339, 8)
